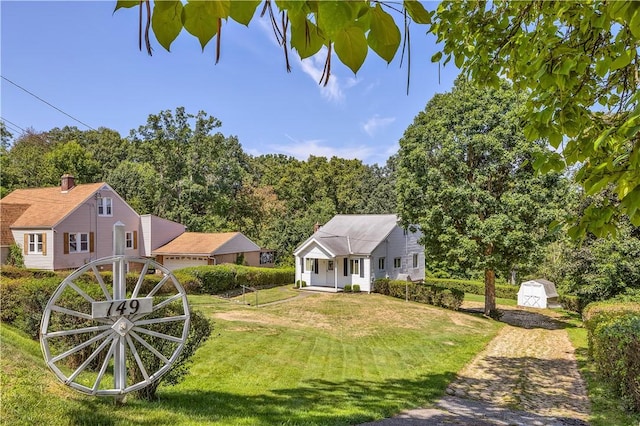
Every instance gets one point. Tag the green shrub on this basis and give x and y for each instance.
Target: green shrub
(597, 313)
(347, 288)
(616, 354)
(218, 279)
(15, 258)
(24, 300)
(356, 288)
(199, 332)
(421, 293)
(504, 291)
(571, 302)
(303, 283)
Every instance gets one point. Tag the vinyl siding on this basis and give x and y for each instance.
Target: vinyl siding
(36, 261)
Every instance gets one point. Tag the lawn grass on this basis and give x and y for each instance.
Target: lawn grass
(331, 359)
(468, 297)
(606, 408)
(268, 295)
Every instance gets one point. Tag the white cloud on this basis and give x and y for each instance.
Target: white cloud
(302, 149)
(375, 123)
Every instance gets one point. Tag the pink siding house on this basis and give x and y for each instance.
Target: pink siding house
(68, 226)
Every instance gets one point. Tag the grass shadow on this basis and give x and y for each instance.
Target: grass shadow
(312, 403)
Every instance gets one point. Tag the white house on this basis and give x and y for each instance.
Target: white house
(538, 293)
(357, 249)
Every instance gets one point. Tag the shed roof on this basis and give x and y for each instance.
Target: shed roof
(354, 234)
(549, 287)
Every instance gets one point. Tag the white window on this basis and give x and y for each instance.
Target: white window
(105, 207)
(35, 243)
(397, 262)
(128, 240)
(312, 265)
(415, 260)
(381, 263)
(79, 242)
(355, 266)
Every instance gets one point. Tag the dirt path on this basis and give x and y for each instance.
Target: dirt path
(527, 375)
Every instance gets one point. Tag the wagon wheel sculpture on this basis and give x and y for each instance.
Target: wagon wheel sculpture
(103, 341)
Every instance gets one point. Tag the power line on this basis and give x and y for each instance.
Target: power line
(42, 100)
(12, 124)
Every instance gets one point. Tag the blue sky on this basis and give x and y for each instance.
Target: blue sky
(84, 59)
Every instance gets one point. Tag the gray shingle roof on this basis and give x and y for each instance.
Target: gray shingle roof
(354, 234)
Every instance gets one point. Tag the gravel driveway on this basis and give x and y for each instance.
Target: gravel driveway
(527, 375)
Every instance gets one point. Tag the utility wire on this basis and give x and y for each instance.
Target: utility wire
(12, 123)
(42, 100)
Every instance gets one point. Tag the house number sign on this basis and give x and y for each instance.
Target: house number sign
(113, 339)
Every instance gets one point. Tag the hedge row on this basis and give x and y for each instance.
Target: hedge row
(422, 293)
(614, 345)
(503, 291)
(217, 279)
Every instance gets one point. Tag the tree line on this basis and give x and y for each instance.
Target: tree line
(179, 166)
(465, 174)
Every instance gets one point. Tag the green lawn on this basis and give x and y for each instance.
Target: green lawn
(323, 359)
(480, 298)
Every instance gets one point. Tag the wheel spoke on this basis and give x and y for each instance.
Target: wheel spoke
(107, 293)
(148, 346)
(159, 285)
(71, 312)
(143, 273)
(78, 290)
(81, 346)
(88, 360)
(158, 335)
(160, 320)
(137, 357)
(76, 331)
(105, 364)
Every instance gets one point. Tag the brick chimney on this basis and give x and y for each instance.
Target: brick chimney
(68, 182)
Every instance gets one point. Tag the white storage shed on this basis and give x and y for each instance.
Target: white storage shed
(538, 293)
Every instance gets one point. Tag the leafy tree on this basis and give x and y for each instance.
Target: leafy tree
(577, 62)
(71, 158)
(25, 165)
(106, 146)
(138, 184)
(465, 176)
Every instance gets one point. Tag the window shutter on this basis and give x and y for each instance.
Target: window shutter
(361, 267)
(135, 240)
(345, 267)
(26, 243)
(315, 266)
(65, 241)
(44, 244)
(92, 240)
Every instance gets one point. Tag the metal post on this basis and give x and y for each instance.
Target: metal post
(119, 292)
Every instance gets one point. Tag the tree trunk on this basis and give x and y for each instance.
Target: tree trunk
(489, 291)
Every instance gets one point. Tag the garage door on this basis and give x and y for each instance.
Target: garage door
(177, 262)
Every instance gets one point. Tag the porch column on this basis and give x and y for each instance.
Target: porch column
(335, 273)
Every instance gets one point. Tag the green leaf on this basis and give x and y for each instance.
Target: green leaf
(384, 37)
(166, 21)
(126, 3)
(351, 47)
(201, 19)
(417, 12)
(436, 57)
(243, 11)
(634, 23)
(622, 61)
(306, 38)
(335, 16)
